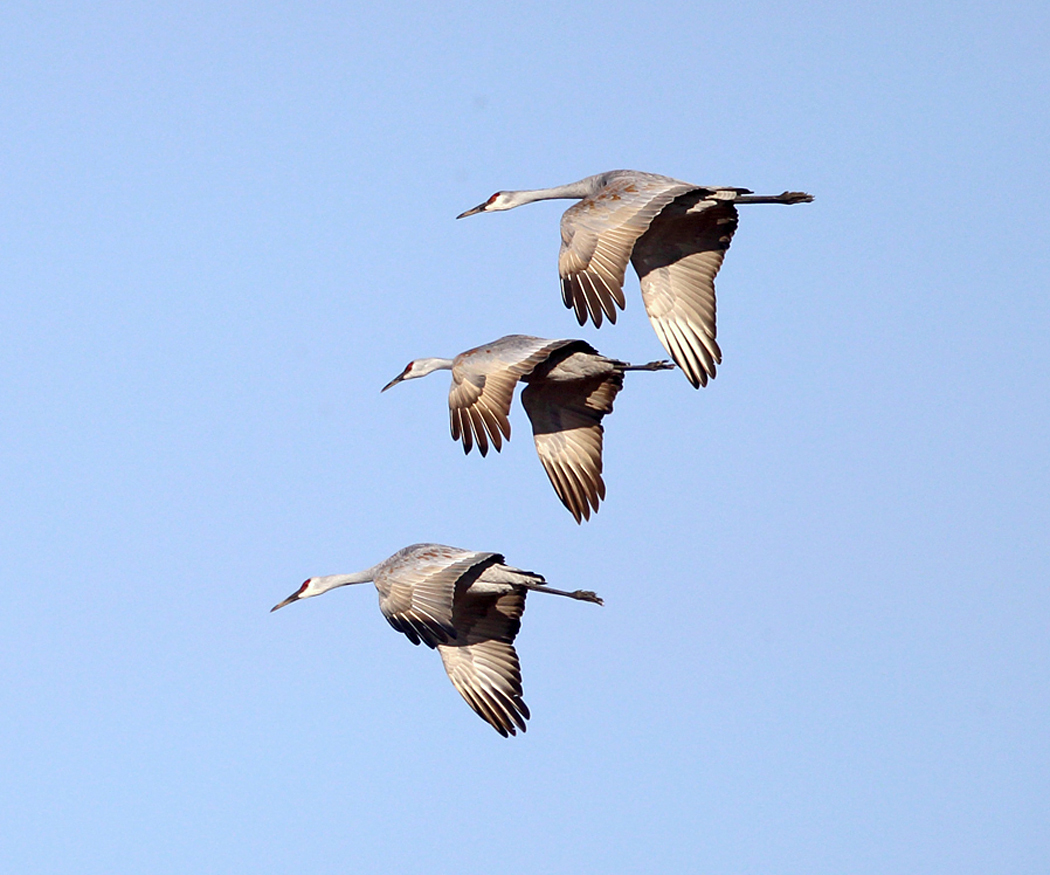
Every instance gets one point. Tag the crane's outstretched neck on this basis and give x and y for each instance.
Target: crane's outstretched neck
(420, 368)
(317, 585)
(511, 199)
(331, 581)
(508, 200)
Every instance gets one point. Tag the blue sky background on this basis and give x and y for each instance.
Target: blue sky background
(826, 640)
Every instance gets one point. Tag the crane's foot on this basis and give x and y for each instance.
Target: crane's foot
(795, 197)
(585, 595)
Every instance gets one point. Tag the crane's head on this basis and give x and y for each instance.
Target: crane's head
(501, 200)
(419, 368)
(301, 593)
(317, 585)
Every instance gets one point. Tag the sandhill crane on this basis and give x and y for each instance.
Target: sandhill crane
(571, 386)
(466, 605)
(673, 232)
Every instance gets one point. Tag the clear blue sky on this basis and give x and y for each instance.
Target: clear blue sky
(825, 643)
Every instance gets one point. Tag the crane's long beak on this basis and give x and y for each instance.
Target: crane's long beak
(394, 381)
(478, 209)
(294, 597)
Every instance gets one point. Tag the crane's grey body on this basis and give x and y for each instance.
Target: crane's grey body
(673, 232)
(466, 605)
(570, 388)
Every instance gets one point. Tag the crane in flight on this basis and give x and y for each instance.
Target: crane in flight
(569, 388)
(673, 232)
(468, 607)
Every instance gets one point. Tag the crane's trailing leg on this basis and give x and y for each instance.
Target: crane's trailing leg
(652, 366)
(788, 197)
(584, 595)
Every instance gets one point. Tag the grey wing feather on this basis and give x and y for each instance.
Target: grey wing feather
(597, 236)
(483, 381)
(677, 260)
(482, 662)
(566, 427)
(417, 596)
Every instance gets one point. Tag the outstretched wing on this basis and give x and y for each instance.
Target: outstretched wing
(677, 260)
(566, 426)
(482, 662)
(483, 381)
(416, 593)
(598, 234)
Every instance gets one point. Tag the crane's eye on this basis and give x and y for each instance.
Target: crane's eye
(492, 199)
(306, 583)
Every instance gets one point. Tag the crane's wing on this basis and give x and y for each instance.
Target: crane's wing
(482, 663)
(597, 236)
(566, 426)
(677, 260)
(416, 595)
(483, 381)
